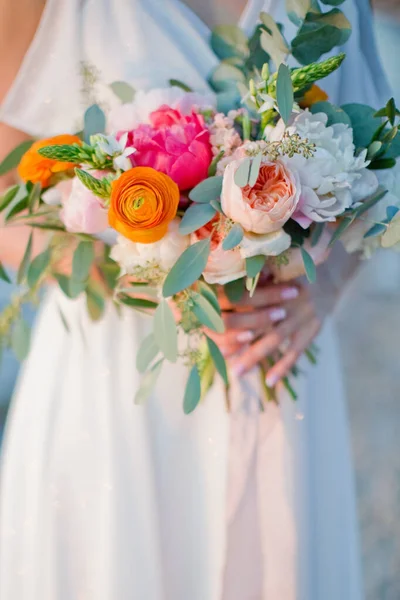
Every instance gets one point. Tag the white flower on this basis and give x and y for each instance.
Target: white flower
(110, 146)
(162, 254)
(333, 179)
(128, 116)
(271, 244)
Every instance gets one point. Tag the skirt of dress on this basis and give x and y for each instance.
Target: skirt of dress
(101, 499)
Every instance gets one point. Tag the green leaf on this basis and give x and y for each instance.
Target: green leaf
(341, 228)
(234, 290)
(34, 197)
(147, 352)
(195, 217)
(316, 233)
(228, 100)
(3, 274)
(233, 238)
(242, 173)
(258, 57)
(392, 235)
(123, 91)
(110, 271)
(20, 339)
(95, 303)
(188, 268)
(332, 2)
(139, 303)
(82, 261)
(383, 163)
(148, 383)
(8, 197)
(218, 360)
(94, 122)
(13, 159)
(229, 41)
(370, 201)
(376, 230)
(165, 331)
(38, 267)
(391, 212)
(363, 122)
(207, 190)
(333, 112)
(225, 77)
(25, 261)
(208, 293)
(212, 169)
(320, 33)
(299, 8)
(63, 282)
(99, 187)
(284, 93)
(255, 169)
(192, 391)
(179, 84)
(64, 153)
(217, 205)
(16, 209)
(206, 313)
(272, 40)
(254, 265)
(373, 149)
(309, 265)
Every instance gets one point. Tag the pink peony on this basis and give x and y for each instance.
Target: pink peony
(82, 211)
(174, 144)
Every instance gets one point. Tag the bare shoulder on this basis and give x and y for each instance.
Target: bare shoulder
(18, 24)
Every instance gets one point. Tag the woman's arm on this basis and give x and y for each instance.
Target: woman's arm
(18, 23)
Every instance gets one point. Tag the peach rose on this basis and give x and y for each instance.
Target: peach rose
(38, 169)
(267, 205)
(222, 266)
(143, 203)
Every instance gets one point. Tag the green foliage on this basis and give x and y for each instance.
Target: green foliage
(320, 33)
(148, 383)
(254, 265)
(26, 259)
(229, 41)
(218, 360)
(233, 238)
(272, 40)
(20, 338)
(304, 77)
(192, 391)
(34, 197)
(99, 187)
(165, 331)
(242, 173)
(38, 267)
(95, 302)
(82, 261)
(311, 271)
(208, 293)
(147, 353)
(94, 122)
(3, 274)
(195, 217)
(137, 303)
(258, 56)
(12, 160)
(65, 153)
(317, 231)
(234, 290)
(123, 91)
(206, 314)
(225, 76)
(188, 268)
(179, 84)
(284, 93)
(8, 197)
(207, 190)
(333, 112)
(363, 122)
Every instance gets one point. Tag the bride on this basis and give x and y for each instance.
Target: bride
(102, 500)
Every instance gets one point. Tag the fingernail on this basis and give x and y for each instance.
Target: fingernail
(290, 293)
(238, 369)
(277, 314)
(245, 336)
(271, 380)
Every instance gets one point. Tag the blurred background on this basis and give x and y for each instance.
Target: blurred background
(369, 324)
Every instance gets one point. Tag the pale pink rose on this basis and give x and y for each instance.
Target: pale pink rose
(267, 205)
(175, 144)
(82, 211)
(295, 267)
(222, 266)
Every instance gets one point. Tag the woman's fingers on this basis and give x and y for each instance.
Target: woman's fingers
(267, 295)
(273, 339)
(300, 342)
(257, 319)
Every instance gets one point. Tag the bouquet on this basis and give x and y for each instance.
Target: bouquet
(172, 193)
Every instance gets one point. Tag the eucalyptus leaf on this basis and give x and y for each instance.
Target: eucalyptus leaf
(207, 190)
(340, 229)
(225, 77)
(218, 359)
(309, 265)
(38, 266)
(363, 122)
(34, 197)
(233, 238)
(192, 391)
(320, 33)
(234, 290)
(188, 268)
(229, 41)
(95, 303)
(25, 260)
(299, 7)
(217, 205)
(206, 313)
(147, 353)
(254, 265)
(228, 100)
(17, 208)
(196, 216)
(165, 331)
(13, 159)
(207, 291)
(139, 303)
(179, 84)
(272, 40)
(391, 212)
(82, 261)
(376, 230)
(255, 169)
(3, 274)
(148, 383)
(8, 197)
(242, 173)
(20, 339)
(94, 122)
(333, 112)
(123, 91)
(284, 93)
(332, 2)
(316, 233)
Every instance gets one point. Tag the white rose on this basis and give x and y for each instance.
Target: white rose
(271, 244)
(163, 253)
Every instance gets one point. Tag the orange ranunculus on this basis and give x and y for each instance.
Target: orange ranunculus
(312, 96)
(143, 203)
(38, 169)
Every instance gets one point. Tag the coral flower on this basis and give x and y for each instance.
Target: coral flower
(143, 203)
(39, 169)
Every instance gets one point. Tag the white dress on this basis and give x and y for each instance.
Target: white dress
(103, 500)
